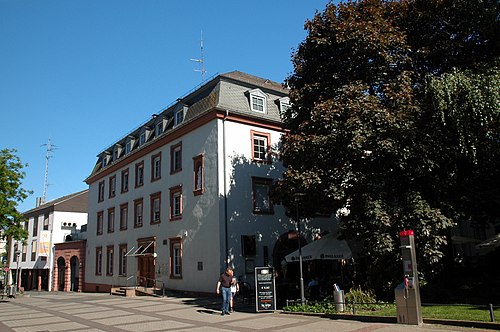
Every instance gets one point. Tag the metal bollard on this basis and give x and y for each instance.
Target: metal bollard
(492, 313)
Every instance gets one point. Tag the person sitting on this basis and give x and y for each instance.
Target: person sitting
(313, 289)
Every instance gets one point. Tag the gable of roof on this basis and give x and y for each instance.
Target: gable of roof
(76, 202)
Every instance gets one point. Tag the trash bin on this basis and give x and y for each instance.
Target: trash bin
(339, 299)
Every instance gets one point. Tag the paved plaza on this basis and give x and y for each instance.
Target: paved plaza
(103, 312)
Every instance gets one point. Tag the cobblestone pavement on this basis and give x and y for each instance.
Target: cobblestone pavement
(91, 312)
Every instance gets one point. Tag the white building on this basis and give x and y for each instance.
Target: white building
(31, 265)
(188, 192)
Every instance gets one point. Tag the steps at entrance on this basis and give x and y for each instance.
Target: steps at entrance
(123, 291)
(148, 291)
(136, 291)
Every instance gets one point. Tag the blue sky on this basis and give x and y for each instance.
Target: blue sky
(85, 73)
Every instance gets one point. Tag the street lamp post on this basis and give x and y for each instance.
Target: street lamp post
(17, 253)
(301, 281)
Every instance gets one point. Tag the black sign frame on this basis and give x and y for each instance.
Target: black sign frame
(265, 289)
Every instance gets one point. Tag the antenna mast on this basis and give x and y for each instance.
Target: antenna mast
(201, 60)
(48, 155)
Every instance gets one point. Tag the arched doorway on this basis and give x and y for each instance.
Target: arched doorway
(287, 281)
(75, 271)
(61, 273)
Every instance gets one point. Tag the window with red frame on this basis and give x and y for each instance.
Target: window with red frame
(100, 193)
(109, 260)
(100, 221)
(175, 258)
(122, 266)
(176, 158)
(156, 167)
(138, 204)
(124, 182)
(111, 220)
(260, 146)
(98, 260)
(176, 203)
(155, 208)
(112, 186)
(139, 174)
(123, 216)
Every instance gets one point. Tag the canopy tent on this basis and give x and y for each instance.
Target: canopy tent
(326, 248)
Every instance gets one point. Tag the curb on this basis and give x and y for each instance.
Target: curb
(393, 320)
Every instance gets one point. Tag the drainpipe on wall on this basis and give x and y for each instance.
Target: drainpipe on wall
(52, 253)
(225, 187)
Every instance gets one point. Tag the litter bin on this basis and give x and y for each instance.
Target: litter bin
(339, 299)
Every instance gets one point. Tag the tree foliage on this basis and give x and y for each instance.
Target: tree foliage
(11, 193)
(395, 117)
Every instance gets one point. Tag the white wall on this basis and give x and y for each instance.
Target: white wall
(242, 221)
(199, 227)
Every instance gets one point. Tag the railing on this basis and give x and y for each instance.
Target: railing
(246, 292)
(145, 283)
(354, 306)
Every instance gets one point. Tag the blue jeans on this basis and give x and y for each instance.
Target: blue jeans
(226, 297)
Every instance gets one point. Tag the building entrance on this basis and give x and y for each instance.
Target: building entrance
(146, 263)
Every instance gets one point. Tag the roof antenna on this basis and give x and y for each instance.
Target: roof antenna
(201, 60)
(48, 155)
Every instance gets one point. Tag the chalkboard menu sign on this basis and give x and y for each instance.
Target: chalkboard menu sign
(265, 290)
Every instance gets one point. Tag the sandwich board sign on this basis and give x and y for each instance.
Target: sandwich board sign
(265, 289)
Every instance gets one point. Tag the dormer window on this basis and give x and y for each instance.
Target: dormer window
(178, 117)
(144, 136)
(258, 101)
(179, 114)
(105, 159)
(117, 152)
(129, 145)
(284, 104)
(159, 128)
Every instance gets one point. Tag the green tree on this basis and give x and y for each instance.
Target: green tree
(11, 193)
(365, 132)
(465, 119)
